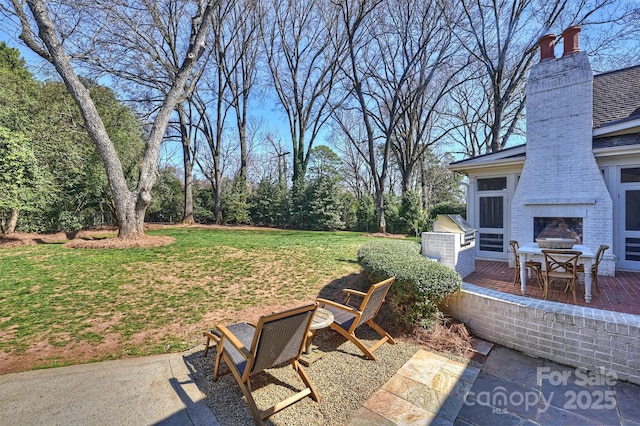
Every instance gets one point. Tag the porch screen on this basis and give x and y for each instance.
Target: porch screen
(632, 225)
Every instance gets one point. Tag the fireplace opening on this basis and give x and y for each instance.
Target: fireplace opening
(558, 227)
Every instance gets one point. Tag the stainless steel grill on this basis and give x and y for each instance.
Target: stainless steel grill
(454, 223)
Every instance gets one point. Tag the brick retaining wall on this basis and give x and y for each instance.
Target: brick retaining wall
(572, 335)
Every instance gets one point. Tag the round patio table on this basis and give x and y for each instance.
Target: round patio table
(321, 319)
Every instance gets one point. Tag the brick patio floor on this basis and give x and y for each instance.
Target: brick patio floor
(618, 294)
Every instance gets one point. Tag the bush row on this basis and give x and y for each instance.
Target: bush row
(421, 284)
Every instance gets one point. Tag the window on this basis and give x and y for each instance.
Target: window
(630, 175)
(492, 184)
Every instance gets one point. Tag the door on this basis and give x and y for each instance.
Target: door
(490, 217)
(629, 219)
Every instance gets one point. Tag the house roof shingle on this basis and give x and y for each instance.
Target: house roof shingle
(616, 97)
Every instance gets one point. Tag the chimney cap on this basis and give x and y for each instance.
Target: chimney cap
(547, 44)
(571, 40)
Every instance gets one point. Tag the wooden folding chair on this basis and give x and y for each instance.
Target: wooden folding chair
(276, 339)
(348, 318)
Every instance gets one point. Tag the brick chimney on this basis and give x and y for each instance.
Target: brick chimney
(571, 40)
(560, 177)
(547, 44)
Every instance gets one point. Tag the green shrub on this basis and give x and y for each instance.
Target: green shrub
(421, 284)
(448, 208)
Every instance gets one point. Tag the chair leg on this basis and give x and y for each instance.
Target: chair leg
(594, 280)
(354, 340)
(307, 391)
(539, 277)
(385, 336)
(516, 277)
(219, 351)
(545, 291)
(210, 336)
(206, 347)
(305, 378)
(246, 391)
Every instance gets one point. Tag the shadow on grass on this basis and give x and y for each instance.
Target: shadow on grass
(333, 290)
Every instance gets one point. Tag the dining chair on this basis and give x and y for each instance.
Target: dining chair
(561, 265)
(594, 267)
(530, 264)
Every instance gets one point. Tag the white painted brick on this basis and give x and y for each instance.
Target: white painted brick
(578, 337)
(559, 165)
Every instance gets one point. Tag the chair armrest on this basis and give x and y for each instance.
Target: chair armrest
(350, 293)
(231, 338)
(354, 292)
(325, 302)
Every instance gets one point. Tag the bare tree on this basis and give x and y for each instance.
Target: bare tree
(397, 73)
(425, 70)
(241, 33)
(125, 28)
(467, 116)
(212, 128)
(303, 56)
(357, 175)
(356, 20)
(502, 36)
(188, 141)
(437, 183)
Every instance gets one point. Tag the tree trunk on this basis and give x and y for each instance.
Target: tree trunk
(187, 160)
(13, 222)
(130, 205)
(187, 217)
(130, 210)
(423, 186)
(496, 126)
(242, 135)
(217, 198)
(380, 220)
(407, 177)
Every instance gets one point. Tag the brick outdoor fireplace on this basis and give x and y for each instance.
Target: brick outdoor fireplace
(561, 184)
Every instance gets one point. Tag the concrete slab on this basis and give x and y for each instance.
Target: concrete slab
(147, 390)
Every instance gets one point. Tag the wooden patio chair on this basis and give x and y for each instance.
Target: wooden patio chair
(594, 267)
(276, 339)
(559, 266)
(348, 318)
(535, 266)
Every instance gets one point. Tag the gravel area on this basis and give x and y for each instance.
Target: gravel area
(344, 378)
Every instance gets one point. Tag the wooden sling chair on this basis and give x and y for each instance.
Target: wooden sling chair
(276, 339)
(348, 318)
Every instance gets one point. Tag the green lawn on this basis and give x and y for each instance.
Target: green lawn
(73, 305)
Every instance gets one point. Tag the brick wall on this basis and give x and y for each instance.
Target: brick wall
(567, 334)
(445, 248)
(560, 177)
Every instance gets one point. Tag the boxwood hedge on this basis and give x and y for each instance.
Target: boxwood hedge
(421, 284)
